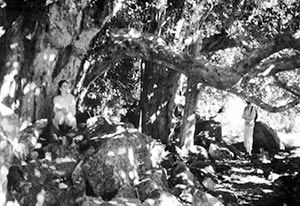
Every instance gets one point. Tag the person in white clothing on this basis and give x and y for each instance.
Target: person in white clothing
(64, 107)
(249, 115)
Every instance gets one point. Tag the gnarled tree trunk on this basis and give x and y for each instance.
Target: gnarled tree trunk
(189, 117)
(45, 44)
(44, 48)
(157, 100)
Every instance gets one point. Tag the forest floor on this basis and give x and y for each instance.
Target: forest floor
(246, 182)
(252, 182)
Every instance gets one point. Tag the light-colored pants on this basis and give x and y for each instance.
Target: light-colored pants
(248, 137)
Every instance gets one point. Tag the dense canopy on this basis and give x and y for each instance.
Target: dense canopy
(248, 48)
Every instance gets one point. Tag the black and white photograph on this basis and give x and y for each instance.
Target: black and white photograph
(149, 103)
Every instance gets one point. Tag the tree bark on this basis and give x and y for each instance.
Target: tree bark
(41, 53)
(157, 100)
(37, 51)
(189, 116)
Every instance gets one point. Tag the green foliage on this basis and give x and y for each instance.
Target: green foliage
(227, 57)
(247, 24)
(259, 20)
(132, 15)
(112, 93)
(210, 102)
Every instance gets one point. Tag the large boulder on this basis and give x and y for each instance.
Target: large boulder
(265, 137)
(120, 160)
(9, 133)
(204, 198)
(219, 152)
(287, 190)
(181, 179)
(29, 138)
(148, 189)
(165, 198)
(51, 177)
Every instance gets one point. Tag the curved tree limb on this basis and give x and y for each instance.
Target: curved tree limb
(274, 66)
(293, 90)
(135, 44)
(265, 105)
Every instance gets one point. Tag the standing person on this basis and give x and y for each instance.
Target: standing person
(64, 107)
(250, 116)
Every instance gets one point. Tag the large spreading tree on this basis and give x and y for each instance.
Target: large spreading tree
(249, 48)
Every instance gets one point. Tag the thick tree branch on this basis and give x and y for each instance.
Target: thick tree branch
(293, 90)
(273, 66)
(284, 64)
(134, 44)
(225, 77)
(263, 104)
(147, 46)
(253, 65)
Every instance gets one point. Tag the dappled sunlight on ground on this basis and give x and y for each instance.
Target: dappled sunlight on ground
(246, 182)
(249, 179)
(242, 170)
